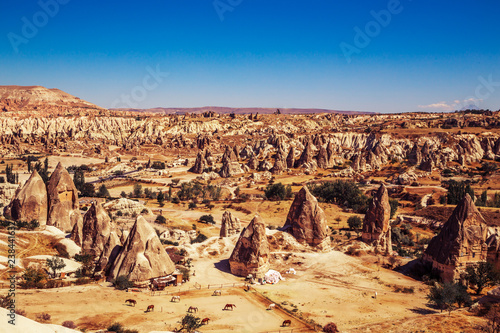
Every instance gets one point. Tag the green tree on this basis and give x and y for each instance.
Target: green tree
(32, 278)
(79, 179)
(190, 323)
(355, 223)
(275, 192)
(103, 192)
(482, 275)
(137, 190)
(170, 193)
(446, 295)
(87, 261)
(122, 282)
(394, 203)
(88, 190)
(209, 219)
(161, 219)
(123, 194)
(55, 264)
(160, 198)
(457, 191)
(341, 192)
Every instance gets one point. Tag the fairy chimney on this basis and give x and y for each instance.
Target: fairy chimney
(461, 241)
(230, 225)
(251, 253)
(30, 201)
(62, 200)
(97, 226)
(142, 256)
(376, 227)
(306, 221)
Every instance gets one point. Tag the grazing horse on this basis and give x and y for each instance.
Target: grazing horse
(205, 321)
(287, 322)
(175, 298)
(150, 307)
(193, 309)
(271, 306)
(131, 301)
(217, 292)
(229, 306)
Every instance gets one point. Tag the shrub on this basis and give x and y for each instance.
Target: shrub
(69, 324)
(199, 239)
(122, 282)
(161, 219)
(278, 191)
(209, 219)
(354, 222)
(43, 317)
(330, 328)
(341, 192)
(192, 205)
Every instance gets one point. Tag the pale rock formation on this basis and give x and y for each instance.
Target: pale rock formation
(376, 227)
(63, 209)
(230, 225)
(142, 256)
(30, 201)
(251, 253)
(306, 221)
(461, 241)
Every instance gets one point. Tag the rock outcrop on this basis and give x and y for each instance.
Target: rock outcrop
(376, 227)
(96, 228)
(111, 250)
(126, 206)
(251, 253)
(30, 201)
(461, 241)
(62, 200)
(306, 221)
(142, 256)
(200, 163)
(230, 225)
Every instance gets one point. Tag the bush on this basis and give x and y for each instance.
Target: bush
(341, 192)
(457, 191)
(394, 203)
(330, 328)
(69, 324)
(199, 239)
(278, 191)
(161, 219)
(122, 282)
(354, 222)
(175, 200)
(192, 205)
(209, 219)
(43, 317)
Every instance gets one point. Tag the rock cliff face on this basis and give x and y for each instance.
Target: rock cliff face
(30, 202)
(376, 227)
(63, 200)
(306, 221)
(251, 253)
(200, 163)
(96, 229)
(142, 256)
(230, 225)
(461, 241)
(111, 250)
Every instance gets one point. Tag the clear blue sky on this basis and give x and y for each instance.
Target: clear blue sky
(431, 56)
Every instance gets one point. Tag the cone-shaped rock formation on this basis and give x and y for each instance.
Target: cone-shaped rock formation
(142, 256)
(230, 225)
(376, 227)
(251, 253)
(306, 221)
(30, 202)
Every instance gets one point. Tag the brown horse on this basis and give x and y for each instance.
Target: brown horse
(205, 321)
(229, 306)
(131, 301)
(287, 322)
(150, 307)
(192, 309)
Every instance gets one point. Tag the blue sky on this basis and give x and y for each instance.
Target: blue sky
(418, 55)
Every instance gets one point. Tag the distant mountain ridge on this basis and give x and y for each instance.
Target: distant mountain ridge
(38, 98)
(225, 110)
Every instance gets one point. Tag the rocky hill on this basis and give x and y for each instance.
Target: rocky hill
(37, 98)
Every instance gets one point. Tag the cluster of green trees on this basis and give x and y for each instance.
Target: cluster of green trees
(457, 191)
(483, 200)
(278, 191)
(12, 177)
(341, 192)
